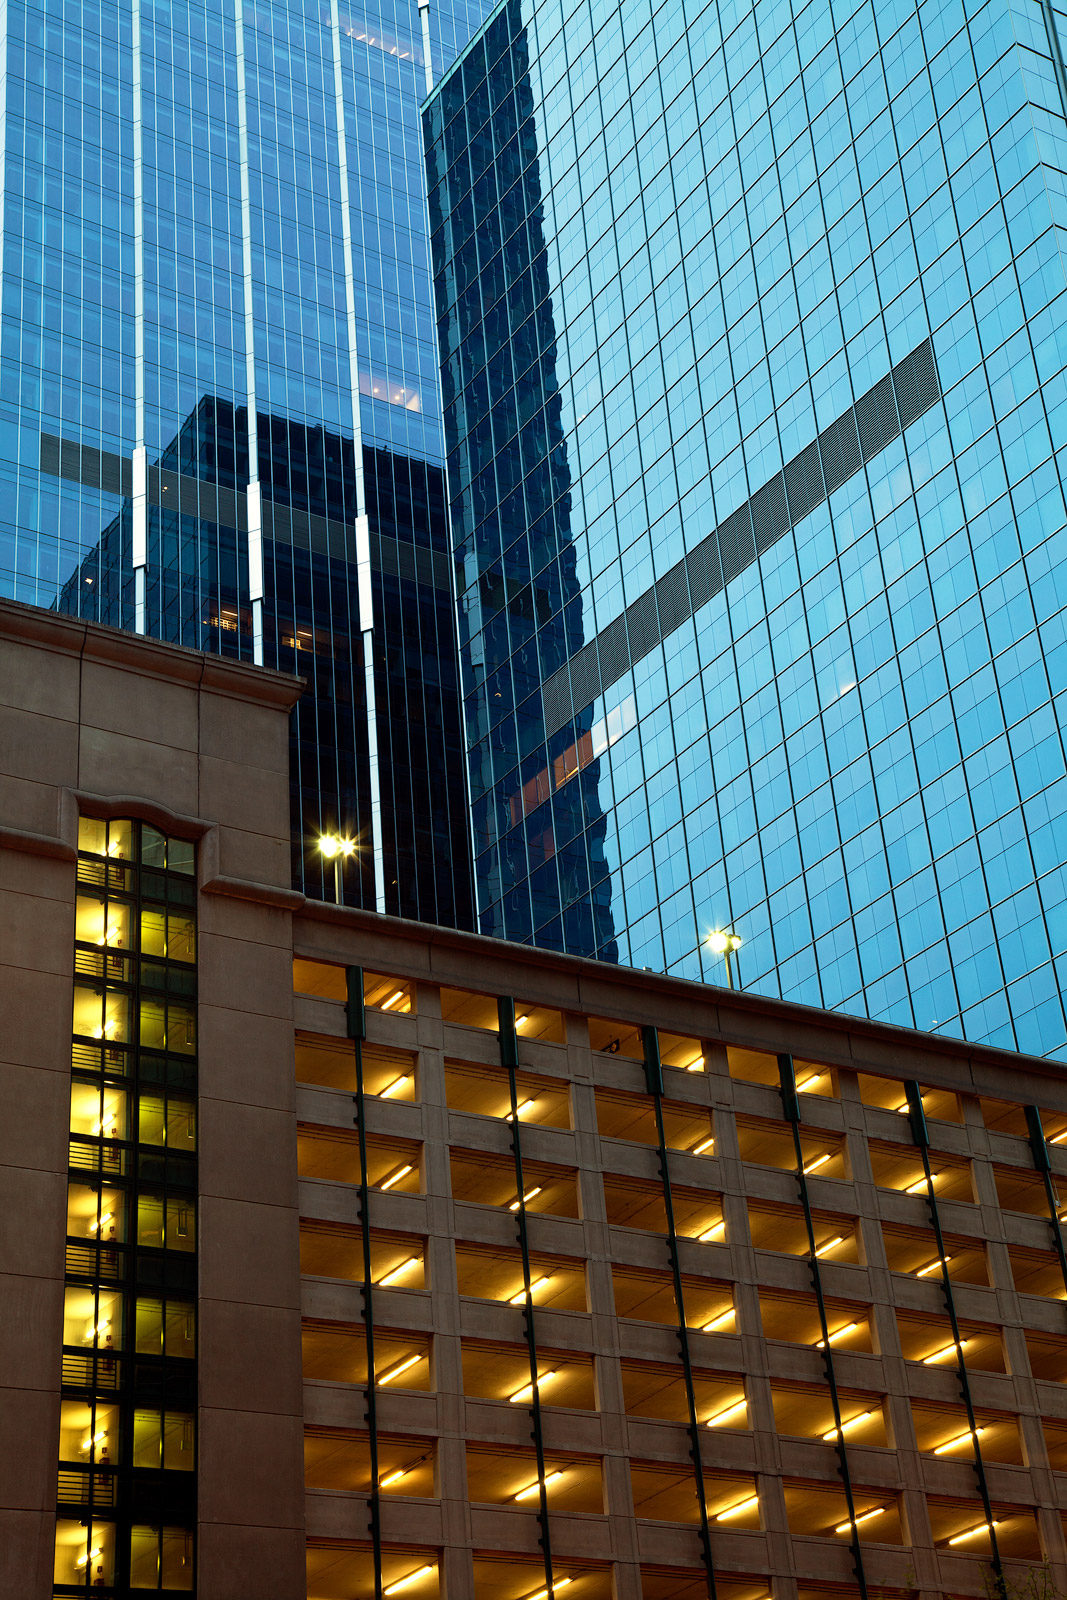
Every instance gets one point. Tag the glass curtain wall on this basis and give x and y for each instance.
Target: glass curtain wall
(775, 294)
(219, 412)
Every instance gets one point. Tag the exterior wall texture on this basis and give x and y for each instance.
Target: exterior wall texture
(606, 1281)
(751, 323)
(219, 401)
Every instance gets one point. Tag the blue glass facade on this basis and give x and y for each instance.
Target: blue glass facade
(752, 325)
(219, 404)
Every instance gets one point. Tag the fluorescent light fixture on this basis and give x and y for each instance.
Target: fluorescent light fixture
(866, 1516)
(395, 1087)
(850, 1422)
(90, 1555)
(946, 1350)
(534, 1488)
(395, 1177)
(546, 1594)
(401, 1366)
(961, 1438)
(816, 1077)
(838, 1333)
(831, 1244)
(527, 1197)
(819, 1161)
(713, 1232)
(704, 1145)
(387, 1004)
(697, 1065)
(931, 1266)
(520, 1020)
(398, 1272)
(717, 1322)
(522, 1106)
(538, 1283)
(1057, 1138)
(412, 1577)
(920, 1184)
(526, 1392)
(972, 1533)
(720, 1416)
(739, 1510)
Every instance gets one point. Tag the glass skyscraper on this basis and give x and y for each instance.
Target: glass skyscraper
(219, 412)
(753, 327)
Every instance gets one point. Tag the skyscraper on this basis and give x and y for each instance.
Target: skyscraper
(752, 329)
(219, 420)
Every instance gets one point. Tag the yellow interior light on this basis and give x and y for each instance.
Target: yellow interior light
(717, 1322)
(946, 1350)
(866, 1516)
(395, 1177)
(538, 1283)
(960, 1438)
(831, 1244)
(819, 1161)
(526, 1392)
(392, 1000)
(526, 1198)
(729, 1411)
(931, 1266)
(398, 1272)
(704, 1145)
(838, 1333)
(739, 1509)
(396, 1086)
(972, 1533)
(401, 1366)
(535, 1488)
(850, 1422)
(713, 1232)
(411, 1577)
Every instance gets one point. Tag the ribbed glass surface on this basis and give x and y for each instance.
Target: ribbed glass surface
(214, 216)
(674, 247)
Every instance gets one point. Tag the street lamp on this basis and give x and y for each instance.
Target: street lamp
(335, 849)
(725, 943)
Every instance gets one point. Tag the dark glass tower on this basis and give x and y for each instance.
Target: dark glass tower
(751, 321)
(212, 215)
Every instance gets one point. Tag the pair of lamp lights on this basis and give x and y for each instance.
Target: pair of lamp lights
(724, 942)
(333, 846)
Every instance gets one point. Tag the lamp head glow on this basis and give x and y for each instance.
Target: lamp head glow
(411, 1577)
(332, 845)
(723, 940)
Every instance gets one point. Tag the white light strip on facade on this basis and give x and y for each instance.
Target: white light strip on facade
(254, 497)
(139, 484)
(362, 525)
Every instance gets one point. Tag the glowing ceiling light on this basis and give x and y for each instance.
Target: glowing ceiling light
(535, 1488)
(526, 1392)
(401, 1366)
(946, 1350)
(972, 1533)
(713, 1232)
(819, 1161)
(526, 1198)
(538, 1283)
(398, 1272)
(411, 1577)
(704, 1145)
(395, 1177)
(739, 1510)
(395, 1087)
(866, 1516)
(831, 1244)
(850, 1422)
(838, 1333)
(717, 1322)
(729, 1411)
(960, 1438)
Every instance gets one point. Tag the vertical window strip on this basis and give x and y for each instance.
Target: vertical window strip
(654, 1082)
(509, 1059)
(356, 1024)
(921, 1139)
(791, 1109)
